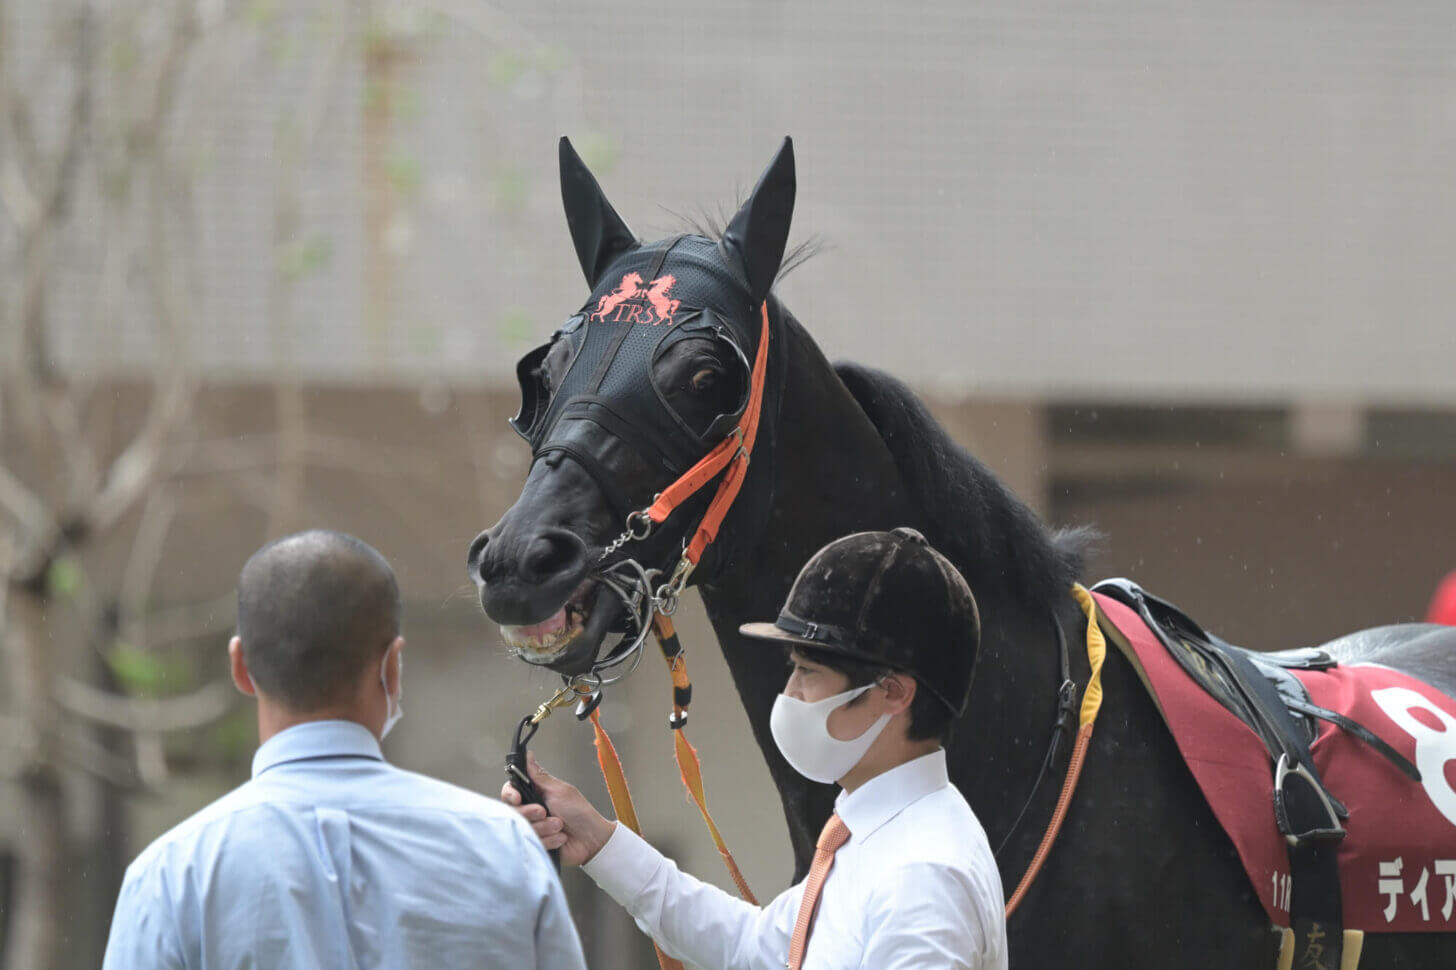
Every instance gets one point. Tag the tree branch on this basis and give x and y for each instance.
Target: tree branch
(23, 505)
(150, 716)
(84, 753)
(179, 624)
(146, 551)
(134, 470)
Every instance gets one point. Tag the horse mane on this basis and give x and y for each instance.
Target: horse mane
(974, 520)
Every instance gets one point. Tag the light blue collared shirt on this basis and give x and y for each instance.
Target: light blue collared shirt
(330, 857)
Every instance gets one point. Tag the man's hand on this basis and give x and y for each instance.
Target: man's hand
(573, 826)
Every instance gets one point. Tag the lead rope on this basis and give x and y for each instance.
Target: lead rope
(690, 767)
(621, 796)
(1091, 703)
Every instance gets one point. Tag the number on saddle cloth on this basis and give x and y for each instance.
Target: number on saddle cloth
(1307, 815)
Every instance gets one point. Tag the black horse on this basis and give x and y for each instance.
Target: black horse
(1142, 875)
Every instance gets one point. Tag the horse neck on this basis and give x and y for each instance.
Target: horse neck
(833, 476)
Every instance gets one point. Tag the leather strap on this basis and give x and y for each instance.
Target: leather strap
(626, 812)
(732, 453)
(1091, 704)
(1061, 730)
(689, 765)
(1356, 729)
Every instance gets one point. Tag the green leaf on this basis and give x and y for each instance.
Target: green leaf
(63, 578)
(141, 671)
(403, 172)
(301, 257)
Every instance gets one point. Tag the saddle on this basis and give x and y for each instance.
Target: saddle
(1260, 690)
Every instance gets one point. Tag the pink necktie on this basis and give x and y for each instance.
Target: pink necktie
(835, 834)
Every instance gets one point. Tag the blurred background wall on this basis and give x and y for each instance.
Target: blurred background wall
(1180, 272)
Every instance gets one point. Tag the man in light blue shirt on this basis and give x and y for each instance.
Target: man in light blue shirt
(330, 857)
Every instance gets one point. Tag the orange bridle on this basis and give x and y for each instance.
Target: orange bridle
(730, 458)
(732, 453)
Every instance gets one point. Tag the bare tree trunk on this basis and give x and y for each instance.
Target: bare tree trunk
(387, 60)
(40, 853)
(41, 857)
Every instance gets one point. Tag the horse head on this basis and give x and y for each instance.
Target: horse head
(634, 388)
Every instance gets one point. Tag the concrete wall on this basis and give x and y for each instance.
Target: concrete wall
(1026, 199)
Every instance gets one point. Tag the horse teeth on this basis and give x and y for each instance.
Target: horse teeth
(542, 648)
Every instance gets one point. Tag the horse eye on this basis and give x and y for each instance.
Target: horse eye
(703, 381)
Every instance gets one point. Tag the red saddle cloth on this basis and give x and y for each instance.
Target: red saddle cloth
(1398, 858)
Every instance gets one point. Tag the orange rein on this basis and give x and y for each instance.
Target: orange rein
(1091, 703)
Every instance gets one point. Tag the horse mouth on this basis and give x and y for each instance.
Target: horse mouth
(570, 639)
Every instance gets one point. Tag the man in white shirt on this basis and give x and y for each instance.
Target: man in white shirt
(330, 857)
(882, 634)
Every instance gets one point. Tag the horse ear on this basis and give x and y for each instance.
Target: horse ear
(598, 232)
(759, 231)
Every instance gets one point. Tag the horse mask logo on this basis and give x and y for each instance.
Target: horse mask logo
(634, 301)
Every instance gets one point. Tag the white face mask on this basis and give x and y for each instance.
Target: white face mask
(801, 730)
(393, 709)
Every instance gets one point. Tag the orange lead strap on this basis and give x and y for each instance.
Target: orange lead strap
(612, 774)
(616, 780)
(689, 766)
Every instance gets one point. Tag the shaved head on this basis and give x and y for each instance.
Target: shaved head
(314, 610)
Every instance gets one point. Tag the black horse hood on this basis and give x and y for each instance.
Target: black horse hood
(646, 302)
(604, 411)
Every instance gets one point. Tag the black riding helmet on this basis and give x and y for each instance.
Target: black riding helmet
(888, 599)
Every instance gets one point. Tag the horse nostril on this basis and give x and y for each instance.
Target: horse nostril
(477, 550)
(551, 554)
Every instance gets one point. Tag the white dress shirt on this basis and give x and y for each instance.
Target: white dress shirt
(332, 858)
(915, 886)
